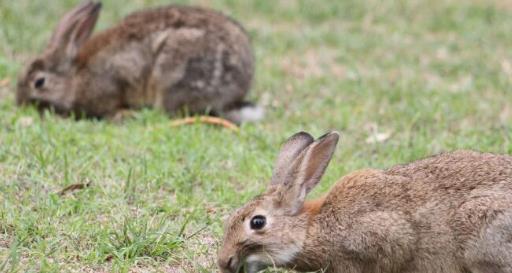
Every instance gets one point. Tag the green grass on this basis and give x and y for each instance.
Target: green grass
(434, 75)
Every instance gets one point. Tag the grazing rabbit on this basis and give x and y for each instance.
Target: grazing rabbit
(444, 214)
(175, 58)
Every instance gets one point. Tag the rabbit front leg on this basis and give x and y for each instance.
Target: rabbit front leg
(121, 115)
(377, 242)
(491, 251)
(343, 267)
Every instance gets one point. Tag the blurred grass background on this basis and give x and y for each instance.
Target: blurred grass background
(400, 79)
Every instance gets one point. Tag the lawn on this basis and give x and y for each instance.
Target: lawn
(399, 79)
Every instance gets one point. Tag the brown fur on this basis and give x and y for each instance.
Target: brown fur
(450, 213)
(312, 207)
(175, 58)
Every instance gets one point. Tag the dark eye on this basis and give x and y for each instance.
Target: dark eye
(258, 222)
(39, 83)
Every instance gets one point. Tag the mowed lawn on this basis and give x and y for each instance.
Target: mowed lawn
(399, 79)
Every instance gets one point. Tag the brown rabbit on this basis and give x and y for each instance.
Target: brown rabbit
(175, 58)
(450, 213)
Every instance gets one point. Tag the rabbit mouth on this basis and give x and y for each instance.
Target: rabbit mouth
(251, 267)
(247, 267)
(43, 106)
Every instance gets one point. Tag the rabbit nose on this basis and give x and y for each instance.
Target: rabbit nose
(228, 265)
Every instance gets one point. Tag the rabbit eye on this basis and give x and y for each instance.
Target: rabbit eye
(39, 83)
(258, 222)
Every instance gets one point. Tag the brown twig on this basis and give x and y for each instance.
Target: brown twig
(74, 187)
(207, 120)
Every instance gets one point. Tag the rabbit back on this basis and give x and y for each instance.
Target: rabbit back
(447, 213)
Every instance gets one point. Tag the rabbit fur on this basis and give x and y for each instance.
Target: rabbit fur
(176, 58)
(449, 213)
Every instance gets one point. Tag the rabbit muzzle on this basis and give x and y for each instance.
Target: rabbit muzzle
(43, 105)
(230, 264)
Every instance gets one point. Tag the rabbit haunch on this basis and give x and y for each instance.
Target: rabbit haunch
(448, 213)
(175, 58)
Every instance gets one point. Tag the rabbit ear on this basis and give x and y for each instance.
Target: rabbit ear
(75, 28)
(289, 152)
(306, 172)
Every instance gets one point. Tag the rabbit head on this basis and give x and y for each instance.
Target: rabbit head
(47, 81)
(271, 229)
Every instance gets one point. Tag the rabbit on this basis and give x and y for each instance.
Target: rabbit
(175, 58)
(449, 213)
